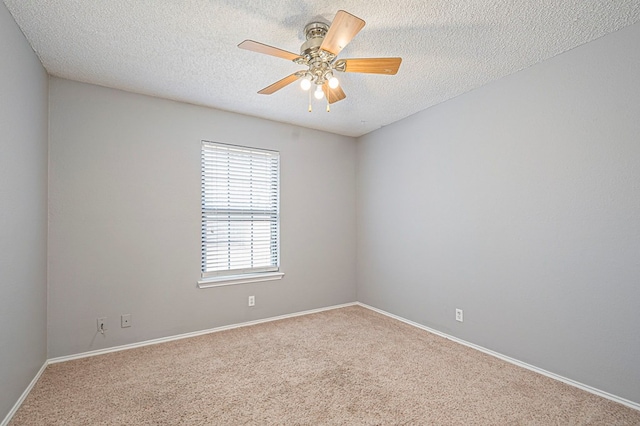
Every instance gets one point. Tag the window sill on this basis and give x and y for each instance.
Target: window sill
(239, 279)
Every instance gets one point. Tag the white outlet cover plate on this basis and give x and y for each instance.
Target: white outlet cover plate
(102, 324)
(459, 315)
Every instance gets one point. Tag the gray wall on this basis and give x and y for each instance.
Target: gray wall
(125, 218)
(518, 202)
(23, 213)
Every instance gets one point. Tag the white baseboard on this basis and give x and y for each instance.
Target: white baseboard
(514, 361)
(24, 395)
(18, 403)
(192, 334)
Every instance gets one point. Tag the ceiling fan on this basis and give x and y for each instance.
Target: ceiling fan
(319, 54)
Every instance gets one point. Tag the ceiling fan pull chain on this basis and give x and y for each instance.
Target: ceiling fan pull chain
(328, 108)
(309, 100)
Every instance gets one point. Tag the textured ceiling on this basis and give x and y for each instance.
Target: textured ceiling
(187, 50)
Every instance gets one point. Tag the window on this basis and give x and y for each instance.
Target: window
(240, 211)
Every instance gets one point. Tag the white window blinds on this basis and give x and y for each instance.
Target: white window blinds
(240, 210)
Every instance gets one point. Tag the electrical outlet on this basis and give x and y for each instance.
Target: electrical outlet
(125, 320)
(252, 301)
(102, 325)
(459, 315)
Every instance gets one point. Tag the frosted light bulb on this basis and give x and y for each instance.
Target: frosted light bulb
(318, 94)
(333, 82)
(305, 84)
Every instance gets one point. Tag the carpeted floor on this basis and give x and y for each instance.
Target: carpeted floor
(348, 366)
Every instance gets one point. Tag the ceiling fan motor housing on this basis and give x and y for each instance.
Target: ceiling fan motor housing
(319, 61)
(315, 29)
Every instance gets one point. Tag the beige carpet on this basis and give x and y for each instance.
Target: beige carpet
(348, 366)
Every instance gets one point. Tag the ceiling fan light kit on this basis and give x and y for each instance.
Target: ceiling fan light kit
(319, 54)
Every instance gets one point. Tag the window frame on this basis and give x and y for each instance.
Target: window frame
(219, 277)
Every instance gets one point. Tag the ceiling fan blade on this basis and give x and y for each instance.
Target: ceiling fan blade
(387, 66)
(255, 46)
(343, 29)
(279, 84)
(333, 95)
